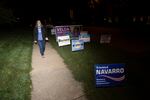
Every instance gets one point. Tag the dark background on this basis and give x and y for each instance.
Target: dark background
(58, 10)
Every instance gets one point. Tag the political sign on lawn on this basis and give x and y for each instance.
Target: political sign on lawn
(62, 30)
(75, 26)
(105, 38)
(75, 38)
(77, 45)
(75, 30)
(63, 40)
(109, 75)
(84, 36)
(53, 32)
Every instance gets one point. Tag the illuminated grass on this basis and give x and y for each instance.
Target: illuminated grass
(15, 65)
(81, 64)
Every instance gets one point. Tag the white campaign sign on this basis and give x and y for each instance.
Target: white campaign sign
(53, 31)
(63, 40)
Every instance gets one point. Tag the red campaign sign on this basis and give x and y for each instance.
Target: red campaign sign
(62, 30)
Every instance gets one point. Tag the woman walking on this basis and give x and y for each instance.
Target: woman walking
(39, 36)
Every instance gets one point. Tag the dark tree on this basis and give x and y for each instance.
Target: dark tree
(6, 14)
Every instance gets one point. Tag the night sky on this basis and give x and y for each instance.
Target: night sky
(59, 9)
(34, 9)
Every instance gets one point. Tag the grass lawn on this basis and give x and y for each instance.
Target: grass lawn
(81, 64)
(15, 64)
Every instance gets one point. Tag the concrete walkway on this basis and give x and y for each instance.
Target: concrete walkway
(51, 79)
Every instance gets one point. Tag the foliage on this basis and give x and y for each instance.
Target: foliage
(6, 15)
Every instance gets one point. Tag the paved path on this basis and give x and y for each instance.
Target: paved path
(51, 79)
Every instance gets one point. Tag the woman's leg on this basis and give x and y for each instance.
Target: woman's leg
(41, 47)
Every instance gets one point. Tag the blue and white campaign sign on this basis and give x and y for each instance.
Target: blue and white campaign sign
(109, 75)
(84, 36)
(77, 45)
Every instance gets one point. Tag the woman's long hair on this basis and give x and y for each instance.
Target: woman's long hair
(38, 24)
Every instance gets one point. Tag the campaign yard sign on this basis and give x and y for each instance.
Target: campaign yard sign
(62, 30)
(84, 36)
(53, 32)
(109, 75)
(75, 30)
(105, 38)
(77, 45)
(63, 40)
(73, 27)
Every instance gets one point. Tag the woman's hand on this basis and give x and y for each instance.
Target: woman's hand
(35, 42)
